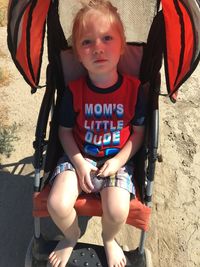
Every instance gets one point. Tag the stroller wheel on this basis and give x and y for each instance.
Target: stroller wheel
(148, 258)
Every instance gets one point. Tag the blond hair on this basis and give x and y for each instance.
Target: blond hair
(107, 9)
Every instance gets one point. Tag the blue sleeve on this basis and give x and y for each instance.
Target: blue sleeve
(141, 107)
(67, 114)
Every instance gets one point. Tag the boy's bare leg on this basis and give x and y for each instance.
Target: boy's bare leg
(115, 204)
(60, 206)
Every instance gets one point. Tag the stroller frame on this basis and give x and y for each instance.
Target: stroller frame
(38, 247)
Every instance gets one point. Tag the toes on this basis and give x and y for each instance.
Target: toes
(124, 262)
(54, 261)
(51, 255)
(121, 264)
(58, 263)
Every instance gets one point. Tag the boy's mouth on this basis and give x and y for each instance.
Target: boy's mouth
(100, 60)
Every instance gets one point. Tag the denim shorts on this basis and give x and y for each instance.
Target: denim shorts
(123, 178)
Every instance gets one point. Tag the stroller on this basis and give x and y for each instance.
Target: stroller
(155, 29)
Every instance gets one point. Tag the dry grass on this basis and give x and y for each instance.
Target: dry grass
(8, 133)
(7, 138)
(3, 12)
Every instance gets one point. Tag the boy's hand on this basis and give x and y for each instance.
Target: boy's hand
(84, 176)
(109, 168)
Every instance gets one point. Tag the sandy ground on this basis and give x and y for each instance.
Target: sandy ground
(174, 235)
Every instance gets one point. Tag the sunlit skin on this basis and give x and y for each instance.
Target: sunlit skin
(99, 49)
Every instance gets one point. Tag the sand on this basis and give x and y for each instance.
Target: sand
(174, 234)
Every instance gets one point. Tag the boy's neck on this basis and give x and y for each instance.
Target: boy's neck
(104, 81)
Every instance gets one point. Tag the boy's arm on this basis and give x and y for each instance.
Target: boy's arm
(69, 145)
(133, 144)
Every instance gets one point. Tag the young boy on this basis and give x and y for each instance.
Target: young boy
(101, 119)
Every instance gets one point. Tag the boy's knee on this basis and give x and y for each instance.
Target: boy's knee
(57, 207)
(117, 215)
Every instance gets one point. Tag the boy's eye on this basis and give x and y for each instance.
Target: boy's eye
(107, 38)
(86, 42)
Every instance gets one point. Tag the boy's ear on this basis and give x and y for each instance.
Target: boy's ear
(123, 47)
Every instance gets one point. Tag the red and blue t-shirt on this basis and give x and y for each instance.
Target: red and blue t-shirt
(102, 119)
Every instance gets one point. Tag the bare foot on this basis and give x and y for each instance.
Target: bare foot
(60, 255)
(114, 253)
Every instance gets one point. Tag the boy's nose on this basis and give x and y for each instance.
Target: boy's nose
(98, 48)
(98, 51)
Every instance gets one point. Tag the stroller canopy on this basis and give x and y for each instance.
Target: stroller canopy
(181, 49)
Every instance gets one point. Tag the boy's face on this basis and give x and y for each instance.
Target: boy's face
(100, 45)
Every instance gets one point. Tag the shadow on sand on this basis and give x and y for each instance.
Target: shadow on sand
(16, 221)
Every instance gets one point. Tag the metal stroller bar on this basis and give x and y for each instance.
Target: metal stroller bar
(40, 133)
(40, 142)
(150, 171)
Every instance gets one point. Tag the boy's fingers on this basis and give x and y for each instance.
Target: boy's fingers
(84, 185)
(88, 183)
(102, 171)
(86, 189)
(94, 168)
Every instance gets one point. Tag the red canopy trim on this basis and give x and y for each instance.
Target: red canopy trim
(37, 36)
(180, 43)
(21, 47)
(189, 45)
(26, 29)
